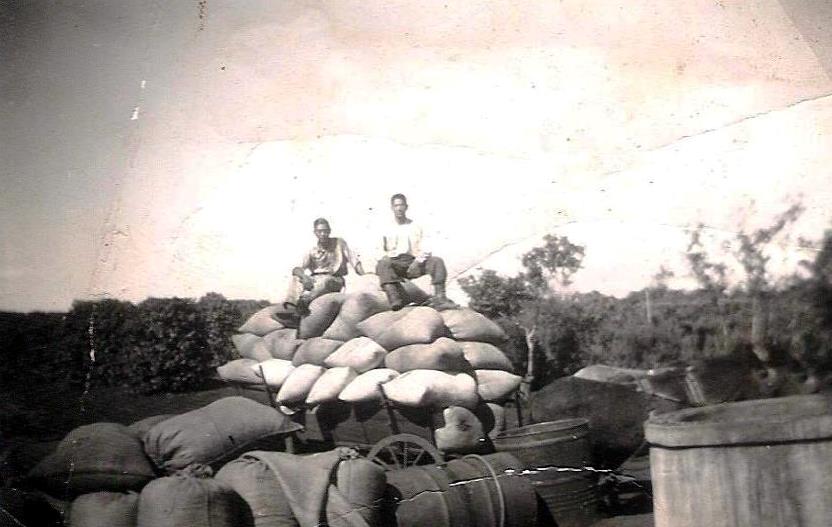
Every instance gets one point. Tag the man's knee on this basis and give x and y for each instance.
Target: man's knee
(386, 271)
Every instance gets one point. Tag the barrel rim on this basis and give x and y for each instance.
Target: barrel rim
(788, 419)
(562, 425)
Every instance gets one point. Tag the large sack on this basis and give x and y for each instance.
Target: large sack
(496, 385)
(239, 370)
(411, 325)
(100, 456)
(299, 383)
(431, 388)
(315, 351)
(443, 354)
(356, 308)
(216, 433)
(275, 371)
(364, 388)
(329, 385)
(322, 312)
(140, 427)
(310, 484)
(463, 431)
(185, 500)
(251, 347)
(104, 509)
(362, 483)
(254, 481)
(467, 324)
(616, 414)
(361, 354)
(484, 356)
(282, 343)
(262, 322)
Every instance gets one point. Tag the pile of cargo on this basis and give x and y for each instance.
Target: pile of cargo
(352, 343)
(219, 465)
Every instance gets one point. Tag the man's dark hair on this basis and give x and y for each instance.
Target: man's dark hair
(394, 197)
(321, 221)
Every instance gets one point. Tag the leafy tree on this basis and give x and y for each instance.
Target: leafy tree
(528, 300)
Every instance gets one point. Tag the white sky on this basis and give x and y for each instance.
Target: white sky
(147, 151)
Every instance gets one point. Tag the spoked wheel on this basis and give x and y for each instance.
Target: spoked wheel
(402, 451)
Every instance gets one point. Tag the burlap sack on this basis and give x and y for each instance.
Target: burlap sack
(92, 458)
(216, 433)
(443, 354)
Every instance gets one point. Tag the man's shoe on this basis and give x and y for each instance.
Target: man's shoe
(441, 303)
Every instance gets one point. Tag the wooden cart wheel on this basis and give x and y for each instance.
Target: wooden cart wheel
(402, 451)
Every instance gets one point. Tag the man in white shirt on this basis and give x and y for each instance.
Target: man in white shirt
(405, 258)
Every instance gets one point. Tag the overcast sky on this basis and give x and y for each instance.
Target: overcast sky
(175, 148)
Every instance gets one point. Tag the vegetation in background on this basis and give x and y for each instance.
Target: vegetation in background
(775, 324)
(158, 345)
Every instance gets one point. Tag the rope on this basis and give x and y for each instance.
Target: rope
(493, 473)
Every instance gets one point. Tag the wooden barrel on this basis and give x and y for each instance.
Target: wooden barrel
(564, 443)
(475, 491)
(762, 462)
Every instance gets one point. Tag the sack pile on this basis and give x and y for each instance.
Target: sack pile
(153, 472)
(351, 346)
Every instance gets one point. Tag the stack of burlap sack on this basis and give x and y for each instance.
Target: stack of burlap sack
(352, 343)
(219, 465)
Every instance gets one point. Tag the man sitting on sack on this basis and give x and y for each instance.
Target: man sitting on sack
(404, 258)
(323, 268)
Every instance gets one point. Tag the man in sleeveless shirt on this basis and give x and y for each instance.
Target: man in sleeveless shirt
(404, 257)
(323, 268)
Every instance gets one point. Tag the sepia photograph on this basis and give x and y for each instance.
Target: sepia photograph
(415, 264)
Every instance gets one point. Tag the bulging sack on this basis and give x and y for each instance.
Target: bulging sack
(361, 354)
(322, 313)
(262, 322)
(105, 509)
(255, 482)
(329, 385)
(315, 351)
(299, 383)
(411, 325)
(362, 483)
(467, 324)
(183, 500)
(365, 387)
(431, 388)
(463, 431)
(216, 433)
(282, 343)
(496, 385)
(356, 308)
(275, 371)
(443, 354)
(251, 347)
(484, 356)
(239, 370)
(91, 458)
